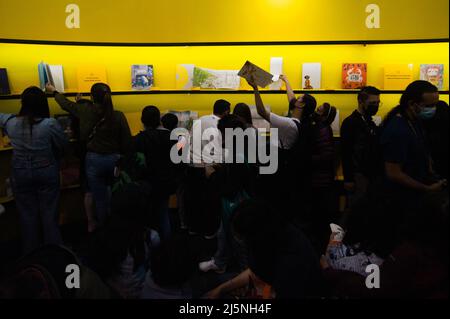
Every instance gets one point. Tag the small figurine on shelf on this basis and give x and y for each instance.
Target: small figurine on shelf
(307, 85)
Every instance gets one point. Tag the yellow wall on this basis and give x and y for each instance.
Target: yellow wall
(22, 60)
(228, 20)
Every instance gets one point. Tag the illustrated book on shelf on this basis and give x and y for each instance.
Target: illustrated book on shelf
(354, 75)
(216, 79)
(433, 73)
(141, 77)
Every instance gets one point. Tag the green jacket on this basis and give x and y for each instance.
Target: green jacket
(108, 139)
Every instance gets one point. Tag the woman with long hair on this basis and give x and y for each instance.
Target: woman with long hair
(37, 141)
(107, 136)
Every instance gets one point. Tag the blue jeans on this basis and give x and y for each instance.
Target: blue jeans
(36, 190)
(100, 174)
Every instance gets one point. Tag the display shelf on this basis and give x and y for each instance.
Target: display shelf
(262, 91)
(237, 43)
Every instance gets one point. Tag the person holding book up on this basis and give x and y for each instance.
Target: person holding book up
(107, 136)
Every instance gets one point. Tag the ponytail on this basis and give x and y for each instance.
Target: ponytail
(108, 108)
(101, 93)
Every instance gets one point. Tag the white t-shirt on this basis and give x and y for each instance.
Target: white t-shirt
(287, 130)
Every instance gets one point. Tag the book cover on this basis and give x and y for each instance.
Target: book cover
(276, 68)
(354, 75)
(184, 76)
(216, 79)
(56, 76)
(4, 83)
(312, 76)
(89, 75)
(260, 77)
(141, 77)
(397, 76)
(43, 79)
(433, 73)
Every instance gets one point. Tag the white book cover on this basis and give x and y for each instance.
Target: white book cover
(311, 76)
(57, 76)
(276, 68)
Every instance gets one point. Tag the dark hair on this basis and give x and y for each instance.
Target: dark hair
(230, 121)
(364, 93)
(151, 117)
(34, 106)
(221, 107)
(172, 263)
(331, 113)
(308, 109)
(414, 92)
(169, 121)
(243, 111)
(101, 94)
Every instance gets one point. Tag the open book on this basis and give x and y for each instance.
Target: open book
(260, 77)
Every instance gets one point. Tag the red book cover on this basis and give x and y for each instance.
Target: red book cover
(354, 75)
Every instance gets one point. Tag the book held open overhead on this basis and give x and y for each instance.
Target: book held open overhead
(260, 77)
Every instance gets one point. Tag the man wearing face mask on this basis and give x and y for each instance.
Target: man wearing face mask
(407, 161)
(435, 121)
(361, 156)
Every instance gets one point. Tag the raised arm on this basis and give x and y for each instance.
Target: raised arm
(66, 104)
(259, 103)
(289, 90)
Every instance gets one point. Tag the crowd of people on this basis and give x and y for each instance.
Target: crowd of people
(271, 233)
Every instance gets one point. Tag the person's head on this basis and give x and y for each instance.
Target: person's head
(173, 263)
(302, 107)
(230, 121)
(169, 121)
(34, 104)
(326, 114)
(369, 101)
(221, 108)
(151, 117)
(418, 96)
(243, 112)
(101, 95)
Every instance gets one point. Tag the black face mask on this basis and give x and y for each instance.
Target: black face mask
(372, 110)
